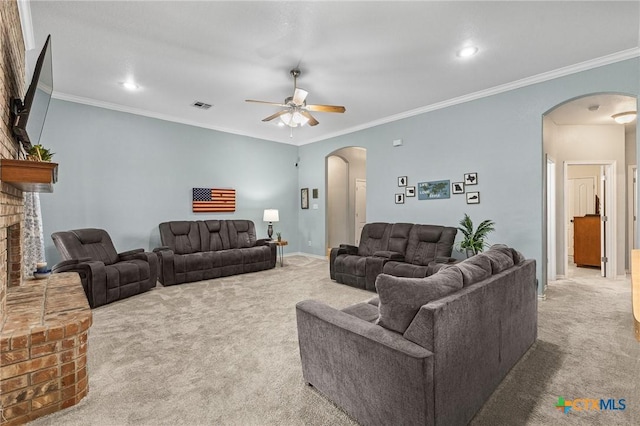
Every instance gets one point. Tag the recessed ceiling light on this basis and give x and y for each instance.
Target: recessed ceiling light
(129, 85)
(465, 52)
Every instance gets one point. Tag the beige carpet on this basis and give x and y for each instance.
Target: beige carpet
(224, 352)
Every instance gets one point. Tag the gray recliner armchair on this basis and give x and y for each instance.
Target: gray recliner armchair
(106, 275)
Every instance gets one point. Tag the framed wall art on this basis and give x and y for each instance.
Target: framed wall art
(434, 190)
(304, 198)
(471, 178)
(473, 198)
(457, 187)
(402, 181)
(410, 191)
(400, 198)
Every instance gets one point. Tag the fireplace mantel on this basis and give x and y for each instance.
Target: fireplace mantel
(29, 176)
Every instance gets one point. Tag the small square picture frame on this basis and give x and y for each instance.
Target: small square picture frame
(410, 191)
(473, 197)
(471, 178)
(402, 181)
(399, 198)
(457, 187)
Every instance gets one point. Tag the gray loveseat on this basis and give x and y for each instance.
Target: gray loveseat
(205, 249)
(425, 351)
(399, 249)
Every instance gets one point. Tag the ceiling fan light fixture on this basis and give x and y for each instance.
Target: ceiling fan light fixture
(624, 117)
(294, 119)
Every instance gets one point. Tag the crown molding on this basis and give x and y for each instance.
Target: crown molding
(539, 78)
(121, 108)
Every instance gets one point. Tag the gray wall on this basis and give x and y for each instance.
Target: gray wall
(499, 137)
(127, 173)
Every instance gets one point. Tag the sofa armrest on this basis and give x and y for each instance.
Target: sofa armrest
(390, 255)
(390, 379)
(129, 253)
(93, 275)
(349, 249)
(68, 265)
(337, 251)
(263, 241)
(166, 271)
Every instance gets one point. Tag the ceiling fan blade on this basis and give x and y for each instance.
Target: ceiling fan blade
(276, 115)
(312, 121)
(299, 95)
(266, 102)
(326, 108)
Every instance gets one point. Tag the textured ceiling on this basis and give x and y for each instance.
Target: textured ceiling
(382, 60)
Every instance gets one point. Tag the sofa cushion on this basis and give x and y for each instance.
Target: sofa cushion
(515, 254)
(401, 298)
(364, 311)
(501, 258)
(426, 242)
(407, 270)
(374, 237)
(474, 269)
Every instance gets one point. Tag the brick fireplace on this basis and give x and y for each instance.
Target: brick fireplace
(43, 323)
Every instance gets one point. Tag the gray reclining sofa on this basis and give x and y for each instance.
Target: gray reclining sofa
(205, 249)
(425, 351)
(399, 249)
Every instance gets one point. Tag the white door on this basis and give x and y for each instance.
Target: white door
(361, 207)
(581, 202)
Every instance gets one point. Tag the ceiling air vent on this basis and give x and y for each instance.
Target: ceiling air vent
(201, 105)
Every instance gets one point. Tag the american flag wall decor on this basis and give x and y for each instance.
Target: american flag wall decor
(207, 200)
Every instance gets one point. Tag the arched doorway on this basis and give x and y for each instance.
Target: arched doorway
(587, 154)
(346, 174)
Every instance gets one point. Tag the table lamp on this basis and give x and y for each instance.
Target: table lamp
(270, 215)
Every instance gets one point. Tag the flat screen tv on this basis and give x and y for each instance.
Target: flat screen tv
(30, 113)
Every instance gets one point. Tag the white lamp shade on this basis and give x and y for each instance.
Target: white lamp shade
(270, 215)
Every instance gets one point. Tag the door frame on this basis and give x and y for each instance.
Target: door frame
(609, 199)
(551, 220)
(632, 212)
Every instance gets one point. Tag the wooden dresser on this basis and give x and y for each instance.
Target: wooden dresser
(586, 240)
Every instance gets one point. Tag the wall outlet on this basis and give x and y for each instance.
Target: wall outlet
(309, 243)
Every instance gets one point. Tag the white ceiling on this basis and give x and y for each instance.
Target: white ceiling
(382, 60)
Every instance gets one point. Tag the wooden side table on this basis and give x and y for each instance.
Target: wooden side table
(281, 245)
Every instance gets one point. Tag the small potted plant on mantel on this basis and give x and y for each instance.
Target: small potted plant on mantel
(278, 236)
(39, 153)
(474, 241)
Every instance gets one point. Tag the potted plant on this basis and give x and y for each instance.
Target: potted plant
(39, 153)
(278, 236)
(474, 241)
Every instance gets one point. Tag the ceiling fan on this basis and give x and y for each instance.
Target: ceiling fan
(296, 111)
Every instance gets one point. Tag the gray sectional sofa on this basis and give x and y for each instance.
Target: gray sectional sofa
(425, 351)
(205, 249)
(399, 249)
